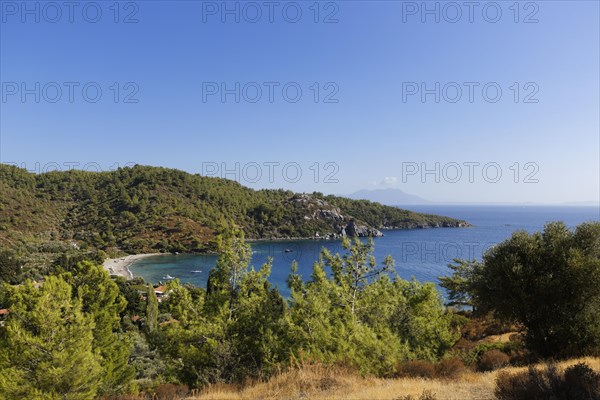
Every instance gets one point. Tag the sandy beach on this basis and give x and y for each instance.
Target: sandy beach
(120, 266)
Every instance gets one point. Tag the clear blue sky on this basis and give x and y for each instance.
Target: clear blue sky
(371, 134)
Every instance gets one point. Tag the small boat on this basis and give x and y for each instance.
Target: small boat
(196, 271)
(289, 250)
(168, 277)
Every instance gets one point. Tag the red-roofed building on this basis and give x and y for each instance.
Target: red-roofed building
(161, 292)
(3, 313)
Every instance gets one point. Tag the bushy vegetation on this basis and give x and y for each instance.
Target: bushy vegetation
(352, 312)
(447, 368)
(354, 316)
(577, 382)
(63, 338)
(493, 359)
(79, 333)
(547, 282)
(362, 317)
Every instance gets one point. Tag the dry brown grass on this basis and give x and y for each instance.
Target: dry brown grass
(319, 382)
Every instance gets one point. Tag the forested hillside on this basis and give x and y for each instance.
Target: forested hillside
(150, 209)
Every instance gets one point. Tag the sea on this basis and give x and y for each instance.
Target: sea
(422, 254)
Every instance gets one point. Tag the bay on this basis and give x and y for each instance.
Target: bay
(420, 253)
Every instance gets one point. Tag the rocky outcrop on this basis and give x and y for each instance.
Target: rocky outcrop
(358, 230)
(318, 209)
(333, 223)
(333, 215)
(414, 225)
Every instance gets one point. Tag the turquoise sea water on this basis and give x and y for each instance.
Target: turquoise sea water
(420, 253)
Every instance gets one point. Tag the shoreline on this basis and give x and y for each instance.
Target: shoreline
(120, 266)
(333, 237)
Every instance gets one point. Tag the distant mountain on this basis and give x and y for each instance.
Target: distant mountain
(151, 209)
(390, 197)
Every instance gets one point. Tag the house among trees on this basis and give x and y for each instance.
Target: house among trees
(161, 292)
(3, 313)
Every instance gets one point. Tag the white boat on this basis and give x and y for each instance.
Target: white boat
(168, 277)
(196, 271)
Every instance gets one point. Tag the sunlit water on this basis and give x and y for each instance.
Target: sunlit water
(420, 253)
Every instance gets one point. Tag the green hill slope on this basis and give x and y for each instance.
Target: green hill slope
(149, 209)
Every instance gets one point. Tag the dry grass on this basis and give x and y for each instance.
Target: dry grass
(319, 382)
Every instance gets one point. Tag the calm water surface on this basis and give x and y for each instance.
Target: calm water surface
(420, 253)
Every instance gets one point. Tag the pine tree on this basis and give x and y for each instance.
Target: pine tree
(151, 310)
(101, 299)
(232, 266)
(355, 268)
(46, 346)
(361, 317)
(238, 332)
(458, 284)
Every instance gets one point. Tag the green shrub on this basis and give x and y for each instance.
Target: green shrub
(548, 282)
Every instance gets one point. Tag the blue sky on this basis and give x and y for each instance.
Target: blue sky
(374, 136)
